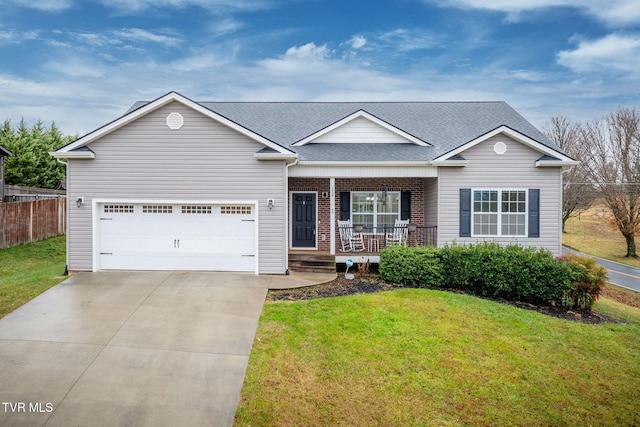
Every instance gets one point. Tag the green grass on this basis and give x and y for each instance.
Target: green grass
(427, 357)
(593, 234)
(28, 270)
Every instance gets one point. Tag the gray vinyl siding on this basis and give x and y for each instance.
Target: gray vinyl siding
(431, 202)
(204, 160)
(513, 170)
(361, 130)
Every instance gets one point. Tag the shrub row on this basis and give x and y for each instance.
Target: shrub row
(489, 269)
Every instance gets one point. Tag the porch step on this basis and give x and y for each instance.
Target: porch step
(312, 262)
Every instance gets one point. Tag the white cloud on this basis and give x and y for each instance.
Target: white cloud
(405, 40)
(134, 6)
(7, 36)
(614, 12)
(46, 5)
(199, 62)
(308, 51)
(612, 52)
(75, 66)
(219, 6)
(139, 35)
(357, 42)
(12, 36)
(528, 75)
(82, 94)
(124, 39)
(226, 26)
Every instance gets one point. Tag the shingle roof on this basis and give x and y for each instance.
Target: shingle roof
(444, 125)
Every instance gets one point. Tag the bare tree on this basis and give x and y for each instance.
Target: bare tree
(577, 193)
(614, 168)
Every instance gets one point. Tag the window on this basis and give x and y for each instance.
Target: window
(157, 209)
(235, 210)
(118, 208)
(514, 213)
(499, 212)
(485, 213)
(368, 208)
(196, 209)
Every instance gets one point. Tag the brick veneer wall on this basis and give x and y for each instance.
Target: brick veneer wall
(321, 185)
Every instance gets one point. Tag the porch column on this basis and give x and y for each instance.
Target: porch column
(332, 215)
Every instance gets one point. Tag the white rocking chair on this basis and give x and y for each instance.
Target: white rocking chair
(350, 241)
(399, 234)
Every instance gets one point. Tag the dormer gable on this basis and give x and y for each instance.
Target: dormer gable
(361, 128)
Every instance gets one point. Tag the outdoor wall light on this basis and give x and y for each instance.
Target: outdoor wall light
(385, 189)
(270, 203)
(79, 201)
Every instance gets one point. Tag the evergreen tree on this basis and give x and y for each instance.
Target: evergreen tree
(31, 165)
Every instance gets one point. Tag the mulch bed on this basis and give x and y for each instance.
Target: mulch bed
(371, 283)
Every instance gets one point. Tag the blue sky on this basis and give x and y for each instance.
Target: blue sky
(83, 63)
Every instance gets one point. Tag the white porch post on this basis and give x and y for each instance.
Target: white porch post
(332, 215)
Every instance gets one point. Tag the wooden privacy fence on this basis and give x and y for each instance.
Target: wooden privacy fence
(32, 221)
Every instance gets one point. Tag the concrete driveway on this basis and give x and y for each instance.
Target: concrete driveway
(130, 348)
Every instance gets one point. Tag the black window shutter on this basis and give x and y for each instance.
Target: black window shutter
(345, 205)
(534, 212)
(405, 205)
(465, 212)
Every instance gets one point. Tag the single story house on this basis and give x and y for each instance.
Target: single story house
(240, 186)
(3, 153)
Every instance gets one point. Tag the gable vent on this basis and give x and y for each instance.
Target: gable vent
(175, 120)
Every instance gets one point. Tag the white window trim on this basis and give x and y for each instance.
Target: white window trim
(500, 213)
(374, 214)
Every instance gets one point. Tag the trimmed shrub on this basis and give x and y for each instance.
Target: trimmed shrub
(414, 266)
(512, 272)
(489, 269)
(588, 280)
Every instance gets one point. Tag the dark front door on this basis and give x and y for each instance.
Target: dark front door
(304, 220)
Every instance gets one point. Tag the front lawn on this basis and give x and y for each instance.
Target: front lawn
(429, 357)
(28, 270)
(593, 234)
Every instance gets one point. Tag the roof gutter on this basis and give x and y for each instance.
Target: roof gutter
(73, 154)
(276, 156)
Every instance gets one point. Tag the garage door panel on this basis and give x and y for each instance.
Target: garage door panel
(216, 246)
(217, 262)
(177, 237)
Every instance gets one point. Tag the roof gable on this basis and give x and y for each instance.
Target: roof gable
(72, 149)
(317, 131)
(361, 128)
(564, 160)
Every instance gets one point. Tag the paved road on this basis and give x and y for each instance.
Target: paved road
(619, 274)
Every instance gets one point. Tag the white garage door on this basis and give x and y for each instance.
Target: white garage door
(139, 236)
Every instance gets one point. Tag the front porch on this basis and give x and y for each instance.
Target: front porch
(373, 207)
(371, 242)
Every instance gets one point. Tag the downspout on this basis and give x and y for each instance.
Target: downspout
(66, 231)
(286, 213)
